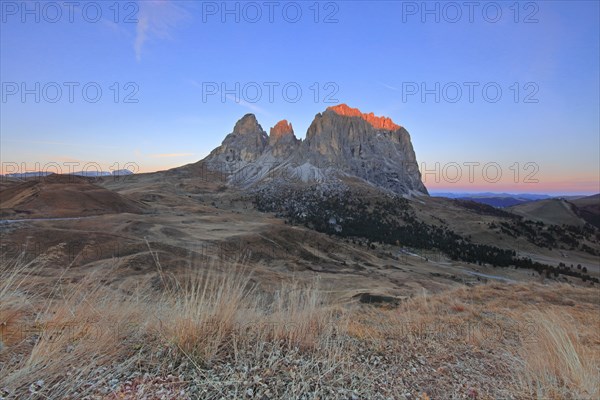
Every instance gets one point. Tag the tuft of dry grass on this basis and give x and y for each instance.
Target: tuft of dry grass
(69, 339)
(558, 362)
(201, 316)
(15, 302)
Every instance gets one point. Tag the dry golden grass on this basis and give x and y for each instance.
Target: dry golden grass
(82, 332)
(559, 362)
(549, 335)
(488, 341)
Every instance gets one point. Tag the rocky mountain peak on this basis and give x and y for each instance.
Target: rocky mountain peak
(282, 141)
(382, 123)
(281, 129)
(244, 145)
(247, 124)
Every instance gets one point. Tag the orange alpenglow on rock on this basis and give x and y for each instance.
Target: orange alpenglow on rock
(281, 128)
(377, 122)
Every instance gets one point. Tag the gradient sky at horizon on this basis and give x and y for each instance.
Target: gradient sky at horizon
(373, 54)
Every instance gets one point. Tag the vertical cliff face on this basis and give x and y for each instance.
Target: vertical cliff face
(342, 141)
(369, 147)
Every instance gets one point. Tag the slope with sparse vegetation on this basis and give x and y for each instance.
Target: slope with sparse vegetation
(392, 220)
(217, 335)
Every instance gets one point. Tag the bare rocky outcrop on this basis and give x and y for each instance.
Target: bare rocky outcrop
(244, 145)
(371, 148)
(341, 142)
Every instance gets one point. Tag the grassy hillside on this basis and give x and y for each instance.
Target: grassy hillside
(552, 211)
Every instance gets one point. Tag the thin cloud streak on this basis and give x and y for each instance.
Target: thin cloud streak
(156, 19)
(385, 85)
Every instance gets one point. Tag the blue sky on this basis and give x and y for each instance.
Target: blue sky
(377, 56)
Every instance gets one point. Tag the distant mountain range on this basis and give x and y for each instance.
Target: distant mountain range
(500, 200)
(525, 196)
(89, 174)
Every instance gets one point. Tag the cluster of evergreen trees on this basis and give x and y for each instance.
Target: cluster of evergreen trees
(566, 237)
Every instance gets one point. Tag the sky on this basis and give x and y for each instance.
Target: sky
(497, 96)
